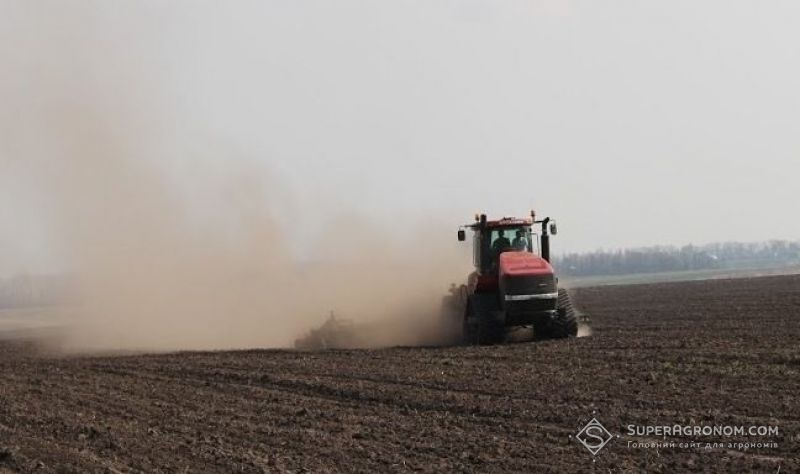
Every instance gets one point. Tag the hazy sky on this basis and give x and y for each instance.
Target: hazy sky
(631, 122)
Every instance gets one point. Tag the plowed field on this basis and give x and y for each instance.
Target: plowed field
(717, 353)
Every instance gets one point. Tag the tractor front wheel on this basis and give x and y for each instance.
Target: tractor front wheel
(564, 324)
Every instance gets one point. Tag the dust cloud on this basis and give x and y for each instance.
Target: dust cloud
(173, 237)
(157, 268)
(204, 258)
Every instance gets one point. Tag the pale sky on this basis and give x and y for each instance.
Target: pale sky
(631, 122)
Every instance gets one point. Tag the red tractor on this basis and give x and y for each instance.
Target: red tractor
(513, 284)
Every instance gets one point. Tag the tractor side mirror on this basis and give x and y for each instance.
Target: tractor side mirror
(462, 236)
(553, 228)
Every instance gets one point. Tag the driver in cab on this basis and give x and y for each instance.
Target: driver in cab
(501, 243)
(520, 242)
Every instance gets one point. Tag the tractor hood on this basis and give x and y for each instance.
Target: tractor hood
(526, 283)
(523, 264)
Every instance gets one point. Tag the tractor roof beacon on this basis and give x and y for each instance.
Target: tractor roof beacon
(513, 284)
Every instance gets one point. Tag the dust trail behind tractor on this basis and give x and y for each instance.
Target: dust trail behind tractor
(512, 290)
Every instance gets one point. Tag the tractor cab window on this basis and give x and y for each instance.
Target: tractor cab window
(511, 239)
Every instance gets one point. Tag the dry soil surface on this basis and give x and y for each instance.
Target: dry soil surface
(719, 353)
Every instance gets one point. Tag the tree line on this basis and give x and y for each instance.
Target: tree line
(32, 290)
(721, 255)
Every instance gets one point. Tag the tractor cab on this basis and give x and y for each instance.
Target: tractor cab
(509, 234)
